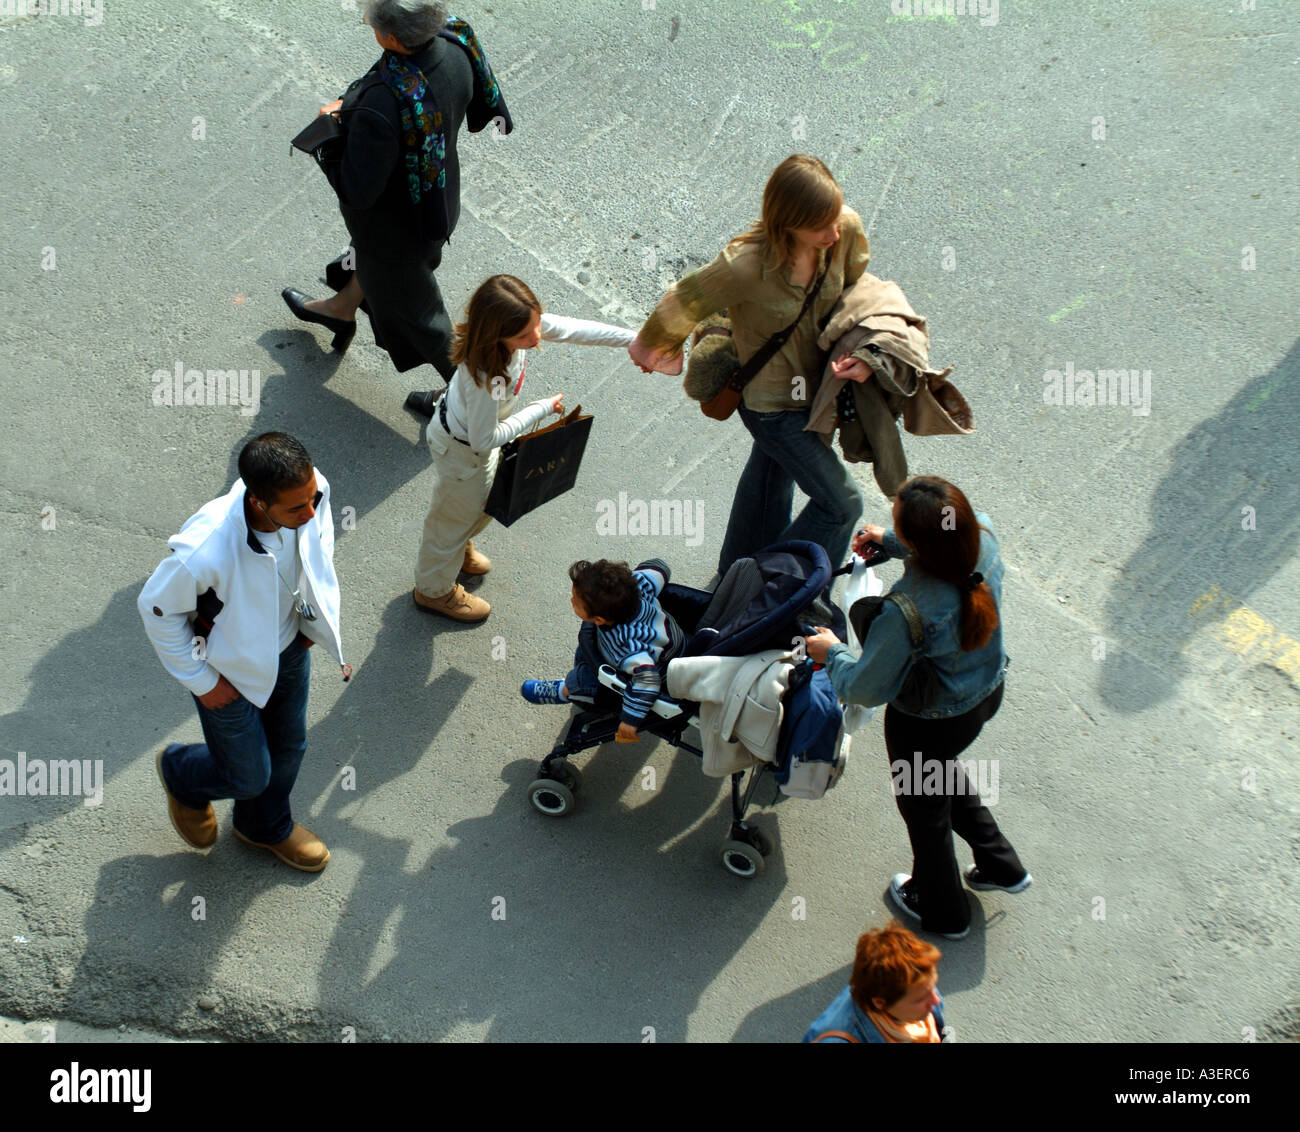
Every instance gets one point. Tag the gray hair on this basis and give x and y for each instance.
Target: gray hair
(410, 22)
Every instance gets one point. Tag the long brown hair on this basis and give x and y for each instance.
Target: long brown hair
(501, 308)
(936, 520)
(800, 193)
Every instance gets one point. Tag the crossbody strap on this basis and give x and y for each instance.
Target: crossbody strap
(915, 626)
(844, 1034)
(768, 350)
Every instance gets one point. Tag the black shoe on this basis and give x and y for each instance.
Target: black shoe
(979, 884)
(424, 403)
(343, 329)
(905, 896)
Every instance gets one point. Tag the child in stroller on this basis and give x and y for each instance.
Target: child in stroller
(623, 626)
(769, 601)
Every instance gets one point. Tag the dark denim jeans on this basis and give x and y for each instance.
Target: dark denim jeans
(252, 754)
(785, 455)
(582, 682)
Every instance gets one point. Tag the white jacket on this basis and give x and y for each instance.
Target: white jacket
(740, 705)
(485, 417)
(219, 566)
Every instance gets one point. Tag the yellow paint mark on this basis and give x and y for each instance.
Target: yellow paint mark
(1245, 632)
(1206, 599)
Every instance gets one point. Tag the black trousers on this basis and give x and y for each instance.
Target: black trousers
(407, 313)
(933, 816)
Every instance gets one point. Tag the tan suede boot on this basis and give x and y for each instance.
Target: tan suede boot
(475, 561)
(458, 605)
(301, 850)
(196, 827)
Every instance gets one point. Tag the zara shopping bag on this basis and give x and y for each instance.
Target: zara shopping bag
(537, 467)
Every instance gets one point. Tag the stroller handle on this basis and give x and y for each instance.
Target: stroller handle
(875, 555)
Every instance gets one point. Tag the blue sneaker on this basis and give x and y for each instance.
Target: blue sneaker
(543, 692)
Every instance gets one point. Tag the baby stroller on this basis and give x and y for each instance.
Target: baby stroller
(763, 602)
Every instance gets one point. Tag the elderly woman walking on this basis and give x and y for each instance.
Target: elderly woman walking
(397, 176)
(793, 264)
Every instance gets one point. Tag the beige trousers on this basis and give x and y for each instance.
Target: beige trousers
(456, 511)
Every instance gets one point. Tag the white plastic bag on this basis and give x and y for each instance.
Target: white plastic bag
(862, 582)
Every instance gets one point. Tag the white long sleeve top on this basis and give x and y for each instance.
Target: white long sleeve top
(486, 418)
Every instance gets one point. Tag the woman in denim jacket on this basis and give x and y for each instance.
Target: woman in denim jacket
(953, 575)
(892, 996)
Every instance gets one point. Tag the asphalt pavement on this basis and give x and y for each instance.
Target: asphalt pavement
(1057, 187)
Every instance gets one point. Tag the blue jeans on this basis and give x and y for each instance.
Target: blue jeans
(785, 455)
(252, 754)
(582, 682)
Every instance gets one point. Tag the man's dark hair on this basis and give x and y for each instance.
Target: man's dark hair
(607, 589)
(272, 463)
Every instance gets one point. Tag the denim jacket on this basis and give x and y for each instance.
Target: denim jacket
(964, 678)
(845, 1015)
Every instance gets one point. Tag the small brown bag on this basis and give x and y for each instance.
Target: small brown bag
(723, 404)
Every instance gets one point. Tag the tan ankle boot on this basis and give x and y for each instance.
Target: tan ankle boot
(196, 827)
(475, 561)
(301, 850)
(458, 605)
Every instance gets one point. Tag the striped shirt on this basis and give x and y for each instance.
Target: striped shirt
(641, 648)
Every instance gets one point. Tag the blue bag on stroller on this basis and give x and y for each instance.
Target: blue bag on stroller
(809, 758)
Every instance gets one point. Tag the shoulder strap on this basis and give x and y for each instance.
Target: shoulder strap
(767, 351)
(915, 626)
(844, 1035)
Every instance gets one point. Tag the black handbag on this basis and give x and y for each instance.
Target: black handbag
(537, 467)
(921, 685)
(323, 139)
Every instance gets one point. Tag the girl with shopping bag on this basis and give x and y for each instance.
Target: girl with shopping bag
(475, 417)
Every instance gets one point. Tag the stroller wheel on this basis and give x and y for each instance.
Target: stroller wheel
(554, 799)
(758, 839)
(564, 771)
(741, 859)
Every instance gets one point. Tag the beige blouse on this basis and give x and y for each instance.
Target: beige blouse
(761, 301)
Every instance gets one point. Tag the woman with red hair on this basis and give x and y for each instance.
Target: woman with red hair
(891, 996)
(940, 693)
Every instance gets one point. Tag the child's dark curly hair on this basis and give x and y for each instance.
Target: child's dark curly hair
(607, 589)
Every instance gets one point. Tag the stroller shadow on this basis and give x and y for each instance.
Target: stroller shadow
(592, 922)
(1246, 457)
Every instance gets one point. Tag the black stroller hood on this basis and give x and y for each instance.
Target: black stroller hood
(766, 601)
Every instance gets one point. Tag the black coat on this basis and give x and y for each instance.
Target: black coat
(370, 179)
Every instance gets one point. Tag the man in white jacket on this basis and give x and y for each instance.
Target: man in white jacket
(248, 588)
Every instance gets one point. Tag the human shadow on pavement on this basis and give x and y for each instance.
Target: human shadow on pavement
(147, 959)
(1197, 542)
(99, 693)
(159, 928)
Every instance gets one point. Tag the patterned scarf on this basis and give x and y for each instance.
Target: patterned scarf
(424, 143)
